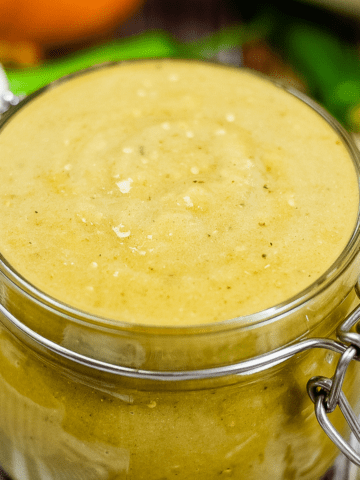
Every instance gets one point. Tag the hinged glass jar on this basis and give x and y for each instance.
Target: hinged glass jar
(85, 397)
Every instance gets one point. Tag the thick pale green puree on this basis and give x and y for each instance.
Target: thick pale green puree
(170, 193)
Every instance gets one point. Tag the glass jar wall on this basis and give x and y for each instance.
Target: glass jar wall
(88, 397)
(60, 419)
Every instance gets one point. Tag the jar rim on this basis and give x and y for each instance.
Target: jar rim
(268, 315)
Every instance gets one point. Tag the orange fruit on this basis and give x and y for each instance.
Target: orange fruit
(55, 22)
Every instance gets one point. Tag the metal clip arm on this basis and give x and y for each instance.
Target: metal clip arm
(318, 388)
(327, 393)
(7, 98)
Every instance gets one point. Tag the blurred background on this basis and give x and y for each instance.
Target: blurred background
(313, 45)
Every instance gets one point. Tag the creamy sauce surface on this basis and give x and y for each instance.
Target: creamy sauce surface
(173, 193)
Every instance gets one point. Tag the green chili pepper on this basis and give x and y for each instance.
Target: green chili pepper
(150, 44)
(330, 67)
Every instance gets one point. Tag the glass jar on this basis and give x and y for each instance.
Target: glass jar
(84, 397)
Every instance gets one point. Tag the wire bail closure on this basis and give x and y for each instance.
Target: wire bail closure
(7, 98)
(327, 394)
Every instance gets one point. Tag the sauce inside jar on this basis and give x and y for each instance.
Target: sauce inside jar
(173, 193)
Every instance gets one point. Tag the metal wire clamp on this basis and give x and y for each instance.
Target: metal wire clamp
(7, 98)
(326, 393)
